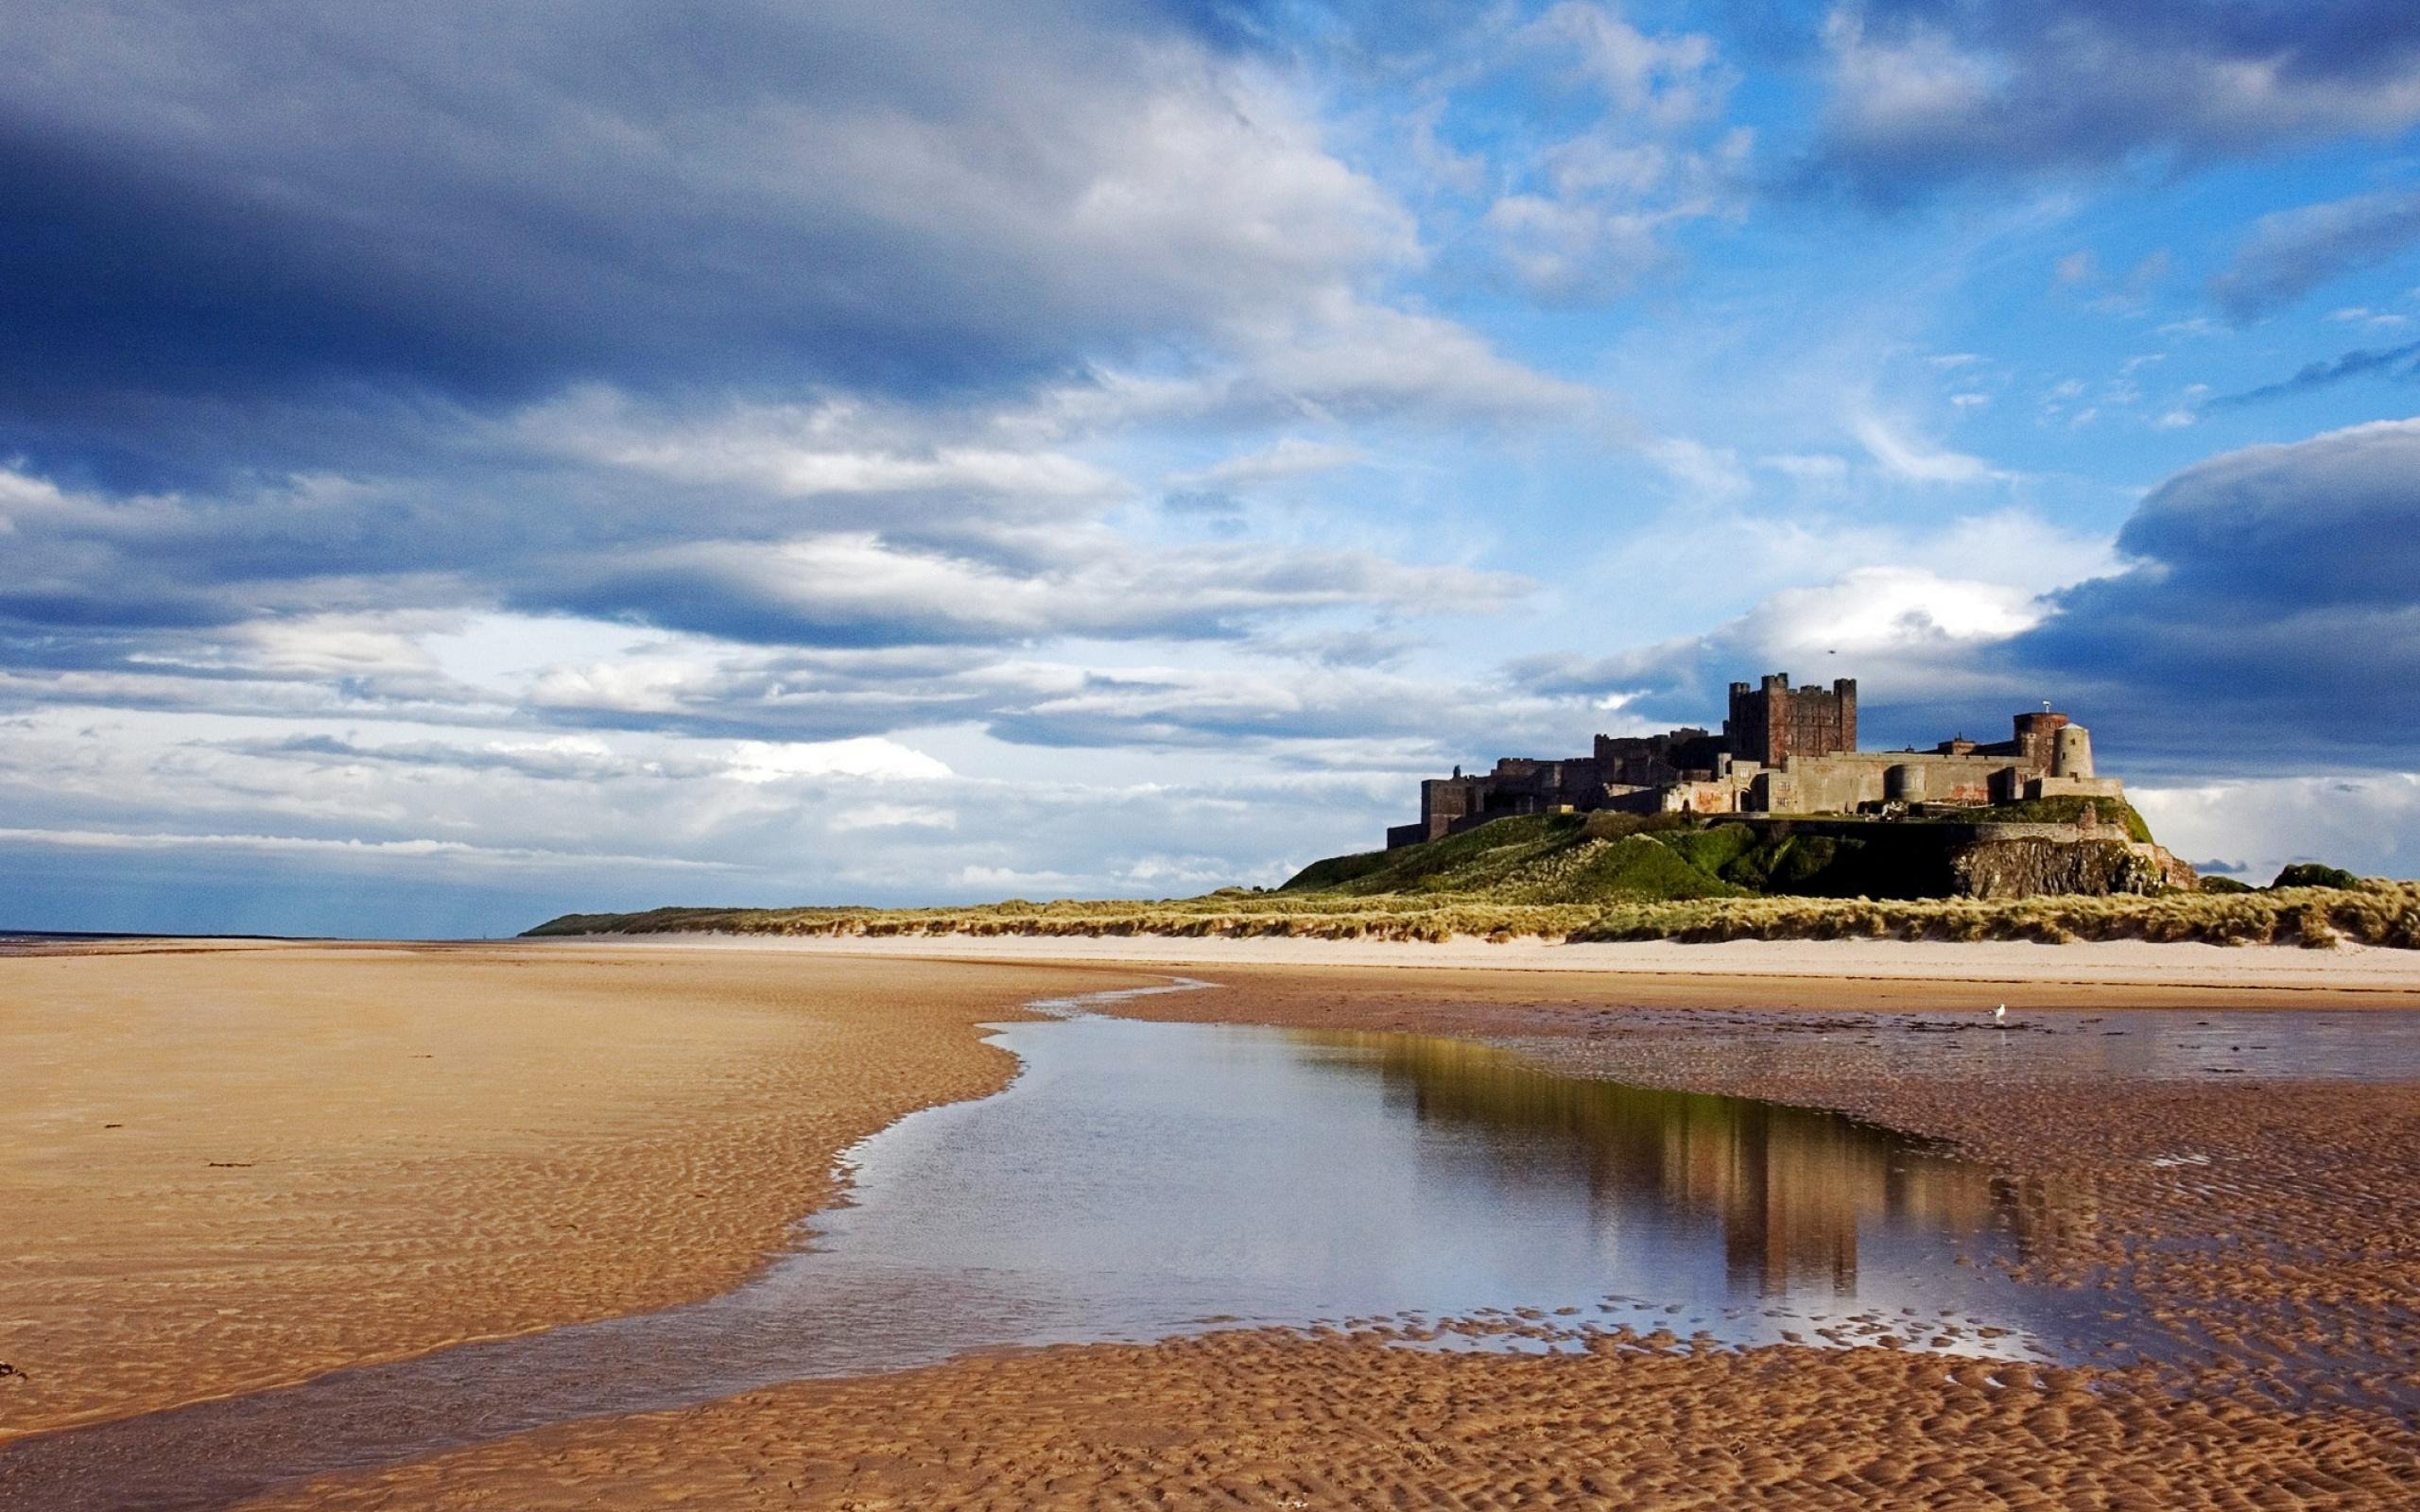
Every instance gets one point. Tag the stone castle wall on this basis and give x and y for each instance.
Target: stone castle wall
(1783, 750)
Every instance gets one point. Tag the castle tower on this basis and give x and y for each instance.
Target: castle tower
(1774, 721)
(2037, 741)
(2071, 753)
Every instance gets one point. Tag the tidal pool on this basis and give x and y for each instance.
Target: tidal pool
(1142, 1179)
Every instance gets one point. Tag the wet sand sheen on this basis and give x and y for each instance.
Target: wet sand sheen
(1141, 1181)
(1277, 1423)
(230, 1168)
(1258, 1420)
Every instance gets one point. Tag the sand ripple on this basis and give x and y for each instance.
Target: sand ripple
(1262, 1420)
(230, 1169)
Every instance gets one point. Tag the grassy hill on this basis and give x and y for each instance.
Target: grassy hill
(1551, 858)
(1609, 877)
(1597, 858)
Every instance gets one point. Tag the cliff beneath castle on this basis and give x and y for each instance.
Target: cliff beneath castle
(2091, 849)
(2036, 868)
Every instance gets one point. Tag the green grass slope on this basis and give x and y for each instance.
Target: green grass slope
(2064, 811)
(1609, 877)
(1547, 858)
(1600, 857)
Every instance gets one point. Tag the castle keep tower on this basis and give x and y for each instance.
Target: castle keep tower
(2038, 739)
(1784, 752)
(1774, 720)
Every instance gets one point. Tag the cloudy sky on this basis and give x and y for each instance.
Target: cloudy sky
(464, 462)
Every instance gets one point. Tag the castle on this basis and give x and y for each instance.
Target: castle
(1783, 751)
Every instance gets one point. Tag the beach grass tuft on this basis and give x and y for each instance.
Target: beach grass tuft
(2373, 913)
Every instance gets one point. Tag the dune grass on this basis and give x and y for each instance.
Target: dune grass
(2376, 913)
(1601, 877)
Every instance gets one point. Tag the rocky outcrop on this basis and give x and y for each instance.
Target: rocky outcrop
(2032, 867)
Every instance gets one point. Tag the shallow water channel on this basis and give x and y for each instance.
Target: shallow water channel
(1143, 1180)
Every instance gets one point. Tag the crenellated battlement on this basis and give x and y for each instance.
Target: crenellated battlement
(1784, 749)
(1774, 721)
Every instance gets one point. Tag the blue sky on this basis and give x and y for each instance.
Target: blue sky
(461, 463)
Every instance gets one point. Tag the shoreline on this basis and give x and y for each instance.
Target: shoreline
(2293, 1263)
(2304, 1275)
(2360, 974)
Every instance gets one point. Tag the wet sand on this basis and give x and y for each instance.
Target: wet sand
(2266, 1220)
(231, 1168)
(1255, 1420)
(1803, 972)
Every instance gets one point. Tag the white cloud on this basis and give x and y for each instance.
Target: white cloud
(1905, 457)
(1566, 251)
(1291, 457)
(1580, 209)
(891, 817)
(1666, 80)
(871, 757)
(856, 587)
(1009, 879)
(2369, 823)
(1711, 475)
(614, 818)
(1903, 631)
(384, 646)
(1345, 359)
(1905, 612)
(837, 447)
(1883, 89)
(1822, 468)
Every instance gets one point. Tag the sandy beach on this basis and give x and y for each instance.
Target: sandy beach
(229, 1167)
(1519, 756)
(628, 1123)
(1262, 1421)
(1791, 973)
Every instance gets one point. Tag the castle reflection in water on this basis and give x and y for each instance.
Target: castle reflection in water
(1793, 1188)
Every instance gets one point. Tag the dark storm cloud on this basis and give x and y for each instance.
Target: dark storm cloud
(306, 598)
(2265, 622)
(2361, 364)
(2274, 615)
(860, 592)
(2293, 251)
(1927, 92)
(773, 322)
(609, 549)
(492, 203)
